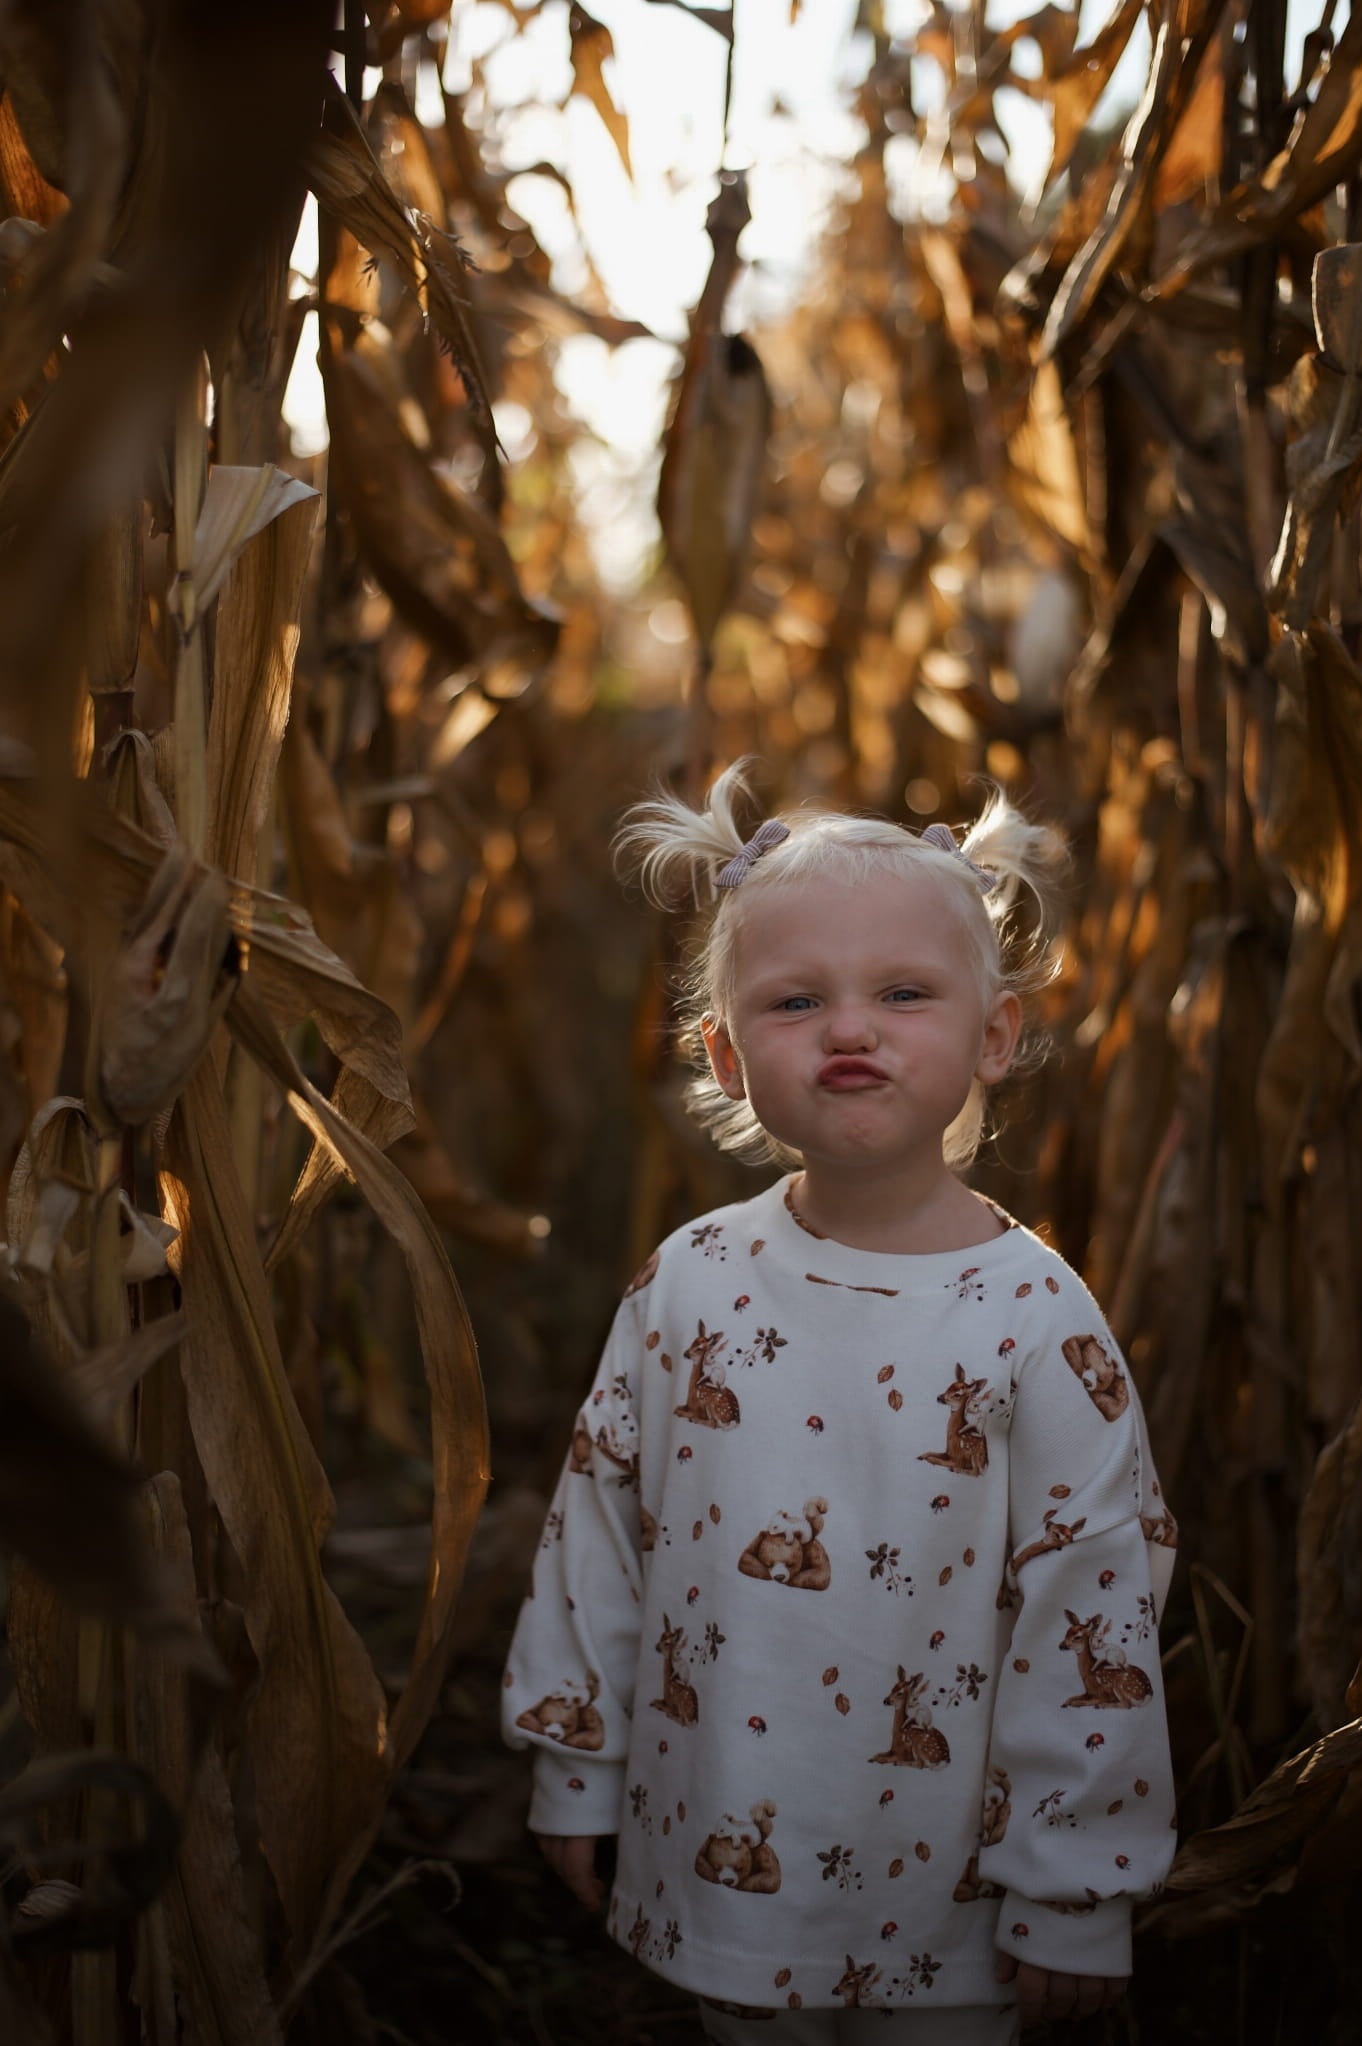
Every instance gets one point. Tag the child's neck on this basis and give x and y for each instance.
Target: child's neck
(909, 1210)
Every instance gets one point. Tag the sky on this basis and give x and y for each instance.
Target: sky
(791, 127)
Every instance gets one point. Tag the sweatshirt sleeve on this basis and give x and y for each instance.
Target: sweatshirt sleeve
(1080, 1815)
(568, 1685)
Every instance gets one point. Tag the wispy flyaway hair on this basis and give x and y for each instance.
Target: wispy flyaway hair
(677, 852)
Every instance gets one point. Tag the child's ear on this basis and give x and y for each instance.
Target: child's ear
(723, 1058)
(1002, 1029)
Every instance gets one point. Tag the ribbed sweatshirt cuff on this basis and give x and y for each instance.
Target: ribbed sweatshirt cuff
(1095, 1942)
(575, 1794)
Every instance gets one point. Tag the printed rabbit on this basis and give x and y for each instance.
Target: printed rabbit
(737, 1854)
(788, 1550)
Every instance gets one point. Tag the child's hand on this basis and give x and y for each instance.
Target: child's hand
(1045, 1993)
(572, 1857)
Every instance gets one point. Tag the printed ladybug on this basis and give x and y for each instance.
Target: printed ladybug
(814, 1424)
(1107, 1579)
(684, 1453)
(575, 1783)
(886, 1797)
(1006, 1347)
(888, 1929)
(941, 1502)
(1093, 1742)
(1123, 1861)
(692, 1594)
(936, 1639)
(1021, 1932)
(598, 1395)
(757, 1724)
(743, 1300)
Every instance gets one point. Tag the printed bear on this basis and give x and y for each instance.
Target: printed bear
(1100, 1375)
(788, 1550)
(569, 1716)
(737, 1854)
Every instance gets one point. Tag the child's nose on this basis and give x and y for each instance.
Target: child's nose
(850, 1027)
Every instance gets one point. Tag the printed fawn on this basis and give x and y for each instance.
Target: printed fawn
(1105, 1680)
(914, 1741)
(966, 1449)
(678, 1699)
(708, 1400)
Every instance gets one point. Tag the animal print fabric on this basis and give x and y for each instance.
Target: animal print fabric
(963, 2025)
(844, 1618)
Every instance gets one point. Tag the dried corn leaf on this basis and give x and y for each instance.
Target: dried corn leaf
(713, 463)
(257, 640)
(458, 1412)
(165, 993)
(1181, 39)
(68, 1504)
(436, 550)
(343, 172)
(215, 1953)
(1324, 149)
(296, 973)
(123, 1866)
(592, 45)
(1271, 1825)
(316, 1723)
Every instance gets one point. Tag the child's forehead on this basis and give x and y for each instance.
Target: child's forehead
(885, 913)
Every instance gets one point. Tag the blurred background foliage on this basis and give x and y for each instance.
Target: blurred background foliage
(337, 627)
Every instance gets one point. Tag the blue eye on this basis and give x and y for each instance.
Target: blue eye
(906, 995)
(790, 1001)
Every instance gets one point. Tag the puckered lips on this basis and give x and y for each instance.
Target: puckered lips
(847, 1075)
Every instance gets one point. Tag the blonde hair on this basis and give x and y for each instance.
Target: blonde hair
(677, 852)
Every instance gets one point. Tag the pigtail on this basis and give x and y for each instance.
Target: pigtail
(674, 847)
(1030, 863)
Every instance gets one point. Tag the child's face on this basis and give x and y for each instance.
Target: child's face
(829, 975)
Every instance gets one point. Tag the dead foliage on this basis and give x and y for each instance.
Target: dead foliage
(310, 956)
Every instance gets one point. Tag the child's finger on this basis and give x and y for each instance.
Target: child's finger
(579, 1871)
(1092, 1993)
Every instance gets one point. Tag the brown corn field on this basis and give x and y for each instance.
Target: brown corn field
(317, 988)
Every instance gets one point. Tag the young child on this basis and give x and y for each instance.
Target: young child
(844, 1618)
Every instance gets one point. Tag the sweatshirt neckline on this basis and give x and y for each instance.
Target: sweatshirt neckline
(783, 1225)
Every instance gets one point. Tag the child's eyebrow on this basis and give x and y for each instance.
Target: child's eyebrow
(897, 973)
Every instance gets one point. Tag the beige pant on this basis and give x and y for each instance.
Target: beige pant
(966, 2024)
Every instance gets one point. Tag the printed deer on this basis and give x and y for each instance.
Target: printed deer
(914, 1741)
(855, 1981)
(966, 1448)
(678, 1699)
(708, 1400)
(1105, 1679)
(1056, 1536)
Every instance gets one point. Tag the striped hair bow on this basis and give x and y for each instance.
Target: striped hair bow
(943, 838)
(769, 834)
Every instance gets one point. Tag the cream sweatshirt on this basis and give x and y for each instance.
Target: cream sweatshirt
(845, 1619)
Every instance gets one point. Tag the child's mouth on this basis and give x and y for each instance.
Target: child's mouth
(850, 1076)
